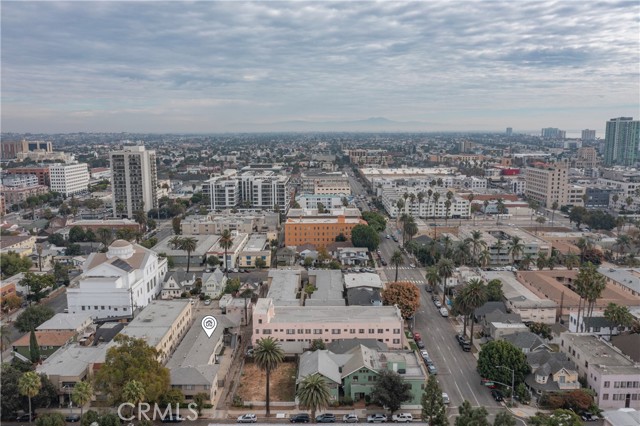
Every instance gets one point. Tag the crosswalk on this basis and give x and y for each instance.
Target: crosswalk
(400, 268)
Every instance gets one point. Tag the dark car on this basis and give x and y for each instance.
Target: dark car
(588, 417)
(466, 346)
(460, 338)
(326, 418)
(300, 418)
(172, 419)
(25, 417)
(420, 344)
(497, 395)
(72, 418)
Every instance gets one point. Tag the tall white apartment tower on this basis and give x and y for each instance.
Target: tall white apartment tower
(134, 180)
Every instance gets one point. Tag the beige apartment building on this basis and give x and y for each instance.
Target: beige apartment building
(547, 183)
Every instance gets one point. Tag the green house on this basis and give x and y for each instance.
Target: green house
(354, 373)
(49, 341)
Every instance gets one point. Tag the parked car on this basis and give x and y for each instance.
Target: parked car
(497, 395)
(172, 419)
(420, 344)
(402, 418)
(417, 336)
(326, 418)
(25, 417)
(466, 346)
(444, 312)
(588, 417)
(445, 398)
(300, 418)
(72, 418)
(350, 418)
(438, 304)
(412, 265)
(432, 369)
(460, 338)
(247, 418)
(388, 236)
(207, 302)
(376, 418)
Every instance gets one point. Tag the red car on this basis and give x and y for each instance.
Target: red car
(416, 336)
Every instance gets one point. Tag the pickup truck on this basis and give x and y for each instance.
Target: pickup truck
(376, 418)
(402, 418)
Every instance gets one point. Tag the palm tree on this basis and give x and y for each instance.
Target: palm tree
(542, 260)
(498, 246)
(533, 205)
(429, 195)
(554, 207)
(432, 277)
(540, 220)
(445, 270)
(460, 308)
(619, 316)
(82, 393)
(188, 244)
(134, 393)
(477, 243)
(420, 200)
(516, 248)
(446, 242)
(400, 206)
(447, 208)
(175, 242)
(313, 393)
(268, 355)
(404, 218)
(226, 242)
(500, 207)
(396, 260)
(104, 235)
(470, 198)
(474, 296)
(571, 260)
(462, 253)
(622, 242)
(596, 283)
(526, 261)
(436, 197)
(485, 258)
(410, 228)
(485, 203)
(29, 385)
(5, 338)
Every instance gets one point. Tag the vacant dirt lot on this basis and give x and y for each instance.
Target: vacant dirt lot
(282, 384)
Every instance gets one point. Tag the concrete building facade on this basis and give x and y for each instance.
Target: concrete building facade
(69, 179)
(622, 137)
(134, 180)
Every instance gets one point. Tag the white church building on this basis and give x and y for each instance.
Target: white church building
(114, 284)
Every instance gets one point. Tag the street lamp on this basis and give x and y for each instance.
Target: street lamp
(513, 373)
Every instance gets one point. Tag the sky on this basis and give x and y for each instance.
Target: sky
(230, 66)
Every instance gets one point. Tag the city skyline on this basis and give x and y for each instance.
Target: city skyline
(209, 67)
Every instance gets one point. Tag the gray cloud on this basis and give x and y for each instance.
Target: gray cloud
(173, 66)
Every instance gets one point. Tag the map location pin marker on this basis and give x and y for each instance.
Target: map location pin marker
(209, 325)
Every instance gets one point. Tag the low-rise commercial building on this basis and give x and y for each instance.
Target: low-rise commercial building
(257, 247)
(245, 223)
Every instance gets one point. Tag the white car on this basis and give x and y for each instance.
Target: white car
(444, 312)
(247, 418)
(402, 418)
(413, 265)
(376, 418)
(445, 398)
(350, 418)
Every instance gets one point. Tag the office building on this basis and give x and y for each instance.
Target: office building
(509, 131)
(588, 135)
(310, 227)
(547, 183)
(621, 141)
(134, 180)
(11, 149)
(553, 133)
(325, 183)
(69, 179)
(251, 189)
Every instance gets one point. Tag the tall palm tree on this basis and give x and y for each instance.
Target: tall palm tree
(446, 242)
(485, 258)
(268, 355)
(460, 308)
(447, 210)
(82, 393)
(410, 228)
(134, 393)
(436, 197)
(623, 242)
(188, 244)
(432, 277)
(571, 260)
(516, 248)
(429, 195)
(526, 261)
(226, 242)
(477, 244)
(412, 199)
(396, 260)
(420, 197)
(175, 242)
(462, 253)
(500, 207)
(533, 205)
(313, 393)
(29, 385)
(619, 316)
(404, 218)
(542, 260)
(445, 270)
(498, 246)
(400, 205)
(474, 295)
(470, 198)
(596, 283)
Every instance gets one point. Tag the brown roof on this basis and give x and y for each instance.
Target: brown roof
(120, 243)
(506, 197)
(8, 241)
(135, 261)
(46, 338)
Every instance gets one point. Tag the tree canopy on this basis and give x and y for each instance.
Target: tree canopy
(502, 353)
(12, 263)
(434, 411)
(365, 236)
(391, 391)
(470, 416)
(557, 418)
(36, 284)
(375, 220)
(131, 360)
(32, 317)
(404, 294)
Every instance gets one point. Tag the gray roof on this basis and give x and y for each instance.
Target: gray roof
(627, 277)
(155, 320)
(601, 322)
(629, 344)
(343, 346)
(284, 286)
(107, 331)
(180, 276)
(500, 316)
(329, 288)
(549, 362)
(489, 307)
(199, 375)
(363, 296)
(622, 417)
(322, 362)
(65, 322)
(525, 340)
(71, 361)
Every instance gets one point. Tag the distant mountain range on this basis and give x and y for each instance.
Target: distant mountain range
(372, 124)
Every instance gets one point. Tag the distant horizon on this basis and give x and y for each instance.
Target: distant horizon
(229, 67)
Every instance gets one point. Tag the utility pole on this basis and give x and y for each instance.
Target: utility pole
(513, 374)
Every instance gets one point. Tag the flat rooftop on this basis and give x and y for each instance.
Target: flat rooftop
(627, 277)
(329, 288)
(155, 320)
(72, 361)
(366, 279)
(284, 286)
(516, 292)
(257, 242)
(65, 322)
(238, 239)
(600, 355)
(204, 243)
(320, 314)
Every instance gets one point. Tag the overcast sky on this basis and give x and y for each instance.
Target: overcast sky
(230, 66)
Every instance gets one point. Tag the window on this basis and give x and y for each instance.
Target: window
(307, 331)
(82, 307)
(361, 331)
(291, 331)
(606, 384)
(352, 331)
(396, 341)
(300, 331)
(396, 331)
(317, 331)
(259, 321)
(266, 331)
(335, 331)
(371, 331)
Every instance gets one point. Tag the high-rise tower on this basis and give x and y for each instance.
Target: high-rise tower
(134, 180)
(621, 141)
